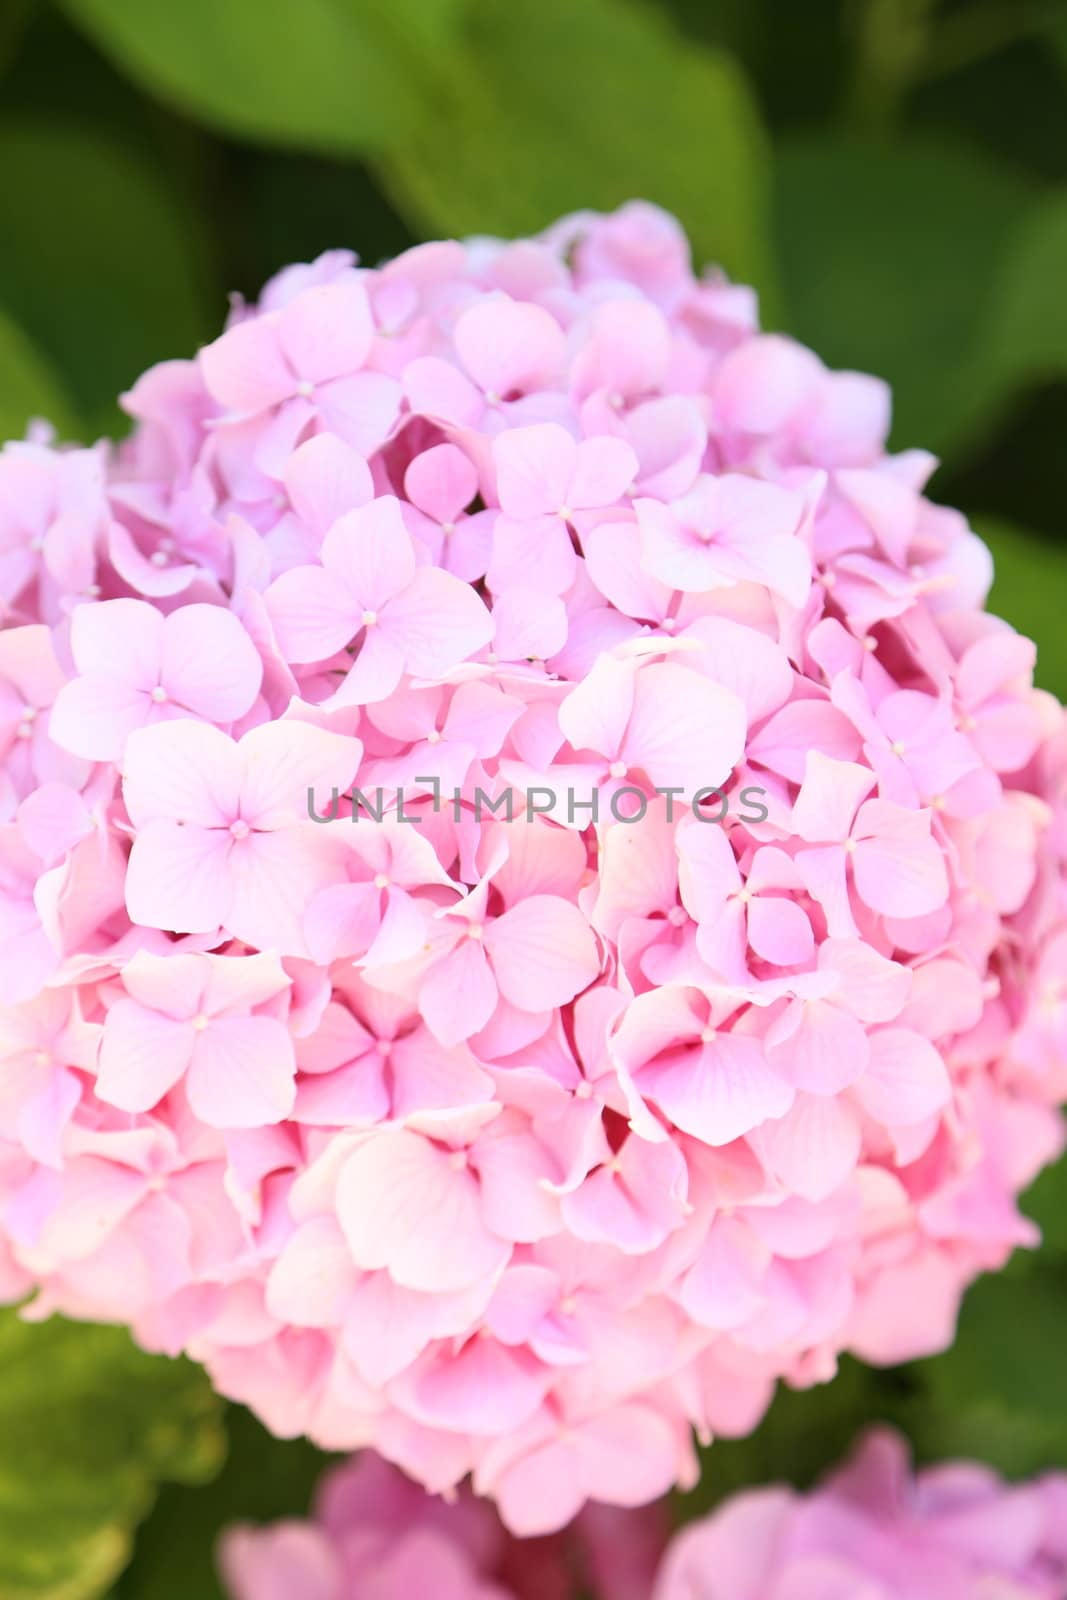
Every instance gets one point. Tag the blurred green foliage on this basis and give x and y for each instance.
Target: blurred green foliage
(891, 174)
(89, 1426)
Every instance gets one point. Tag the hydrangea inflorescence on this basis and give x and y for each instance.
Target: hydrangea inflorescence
(873, 1530)
(516, 1136)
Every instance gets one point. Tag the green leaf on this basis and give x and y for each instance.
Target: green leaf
(891, 258)
(803, 1435)
(29, 388)
(1028, 588)
(264, 1479)
(100, 262)
(557, 105)
(13, 19)
(1001, 1391)
(1046, 1202)
(332, 75)
(88, 1425)
(1027, 337)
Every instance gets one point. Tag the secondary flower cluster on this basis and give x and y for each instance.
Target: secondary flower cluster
(516, 1149)
(376, 1535)
(872, 1531)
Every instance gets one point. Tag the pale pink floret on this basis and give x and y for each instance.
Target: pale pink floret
(698, 1010)
(136, 667)
(197, 1017)
(305, 363)
(223, 836)
(547, 482)
(407, 618)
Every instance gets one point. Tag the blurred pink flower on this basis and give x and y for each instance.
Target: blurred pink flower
(874, 1530)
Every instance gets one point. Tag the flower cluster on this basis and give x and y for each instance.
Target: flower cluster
(375, 1534)
(516, 1148)
(873, 1530)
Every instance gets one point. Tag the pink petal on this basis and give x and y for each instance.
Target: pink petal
(177, 877)
(722, 940)
(708, 872)
(242, 1073)
(327, 331)
(720, 1092)
(283, 760)
(118, 639)
(739, 658)
(813, 1150)
(626, 1456)
(458, 994)
(685, 731)
(818, 1047)
(824, 871)
(436, 622)
(325, 478)
(313, 612)
(534, 467)
(634, 1202)
(528, 625)
(272, 878)
(872, 987)
(275, 1563)
(724, 1288)
(906, 1081)
(672, 556)
(236, 983)
(626, 349)
(142, 1056)
(829, 798)
(762, 383)
(137, 570)
(172, 985)
(670, 437)
(483, 1388)
(406, 1205)
(543, 952)
(429, 1076)
(514, 1170)
(375, 673)
(510, 347)
(186, 771)
(594, 716)
(779, 931)
(371, 551)
(613, 559)
(784, 741)
(245, 369)
(605, 468)
(899, 868)
(442, 482)
(361, 410)
(208, 663)
(435, 388)
(94, 717)
(536, 554)
(342, 921)
(388, 1327)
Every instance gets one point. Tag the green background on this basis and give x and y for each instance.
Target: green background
(890, 174)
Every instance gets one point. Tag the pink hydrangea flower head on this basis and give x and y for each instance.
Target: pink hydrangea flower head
(876, 1529)
(376, 1534)
(531, 888)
